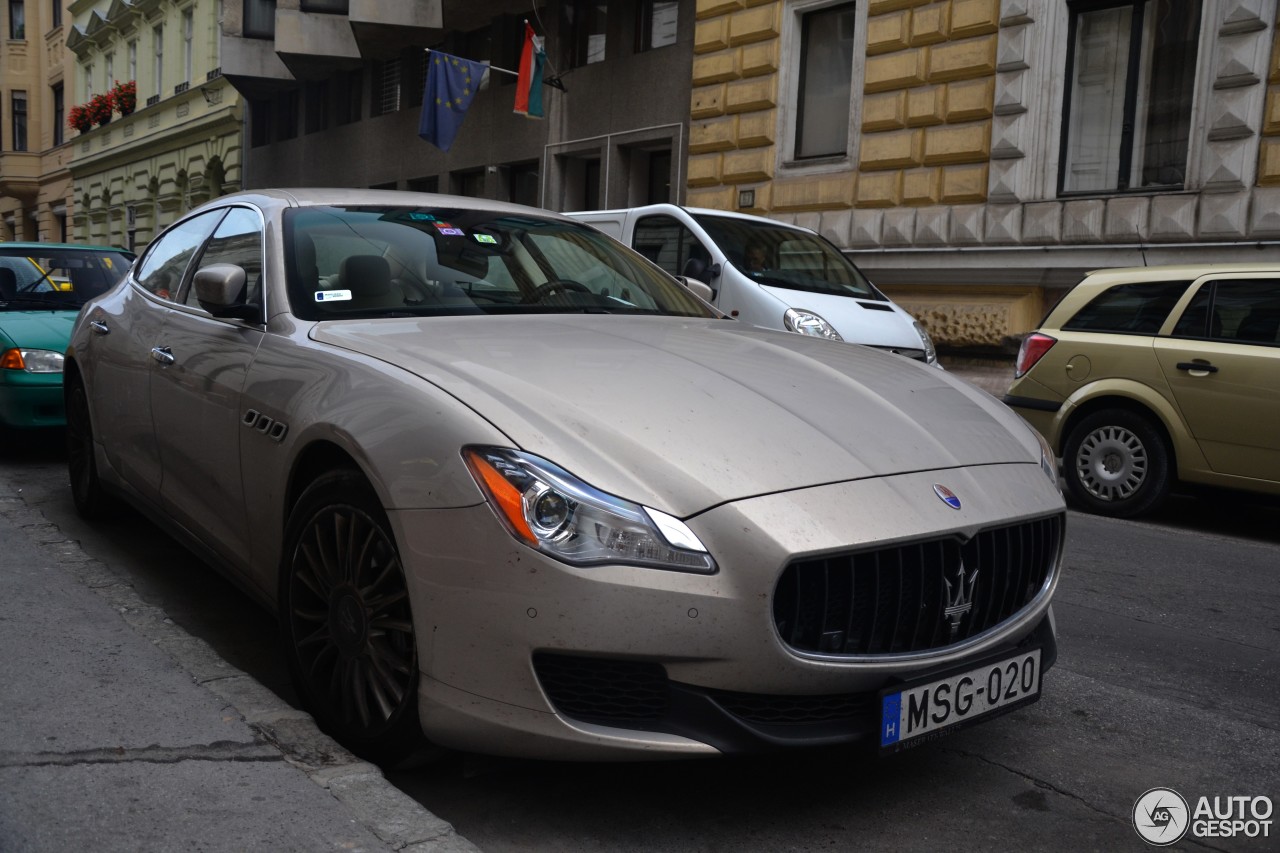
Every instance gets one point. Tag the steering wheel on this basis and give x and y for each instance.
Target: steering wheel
(553, 285)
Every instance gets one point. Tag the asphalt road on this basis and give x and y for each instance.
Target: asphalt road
(1168, 674)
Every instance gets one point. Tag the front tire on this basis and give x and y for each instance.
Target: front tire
(345, 620)
(82, 465)
(1117, 463)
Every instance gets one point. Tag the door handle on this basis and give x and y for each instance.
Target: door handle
(1197, 365)
(100, 327)
(162, 355)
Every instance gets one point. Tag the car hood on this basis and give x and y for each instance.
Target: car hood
(854, 321)
(49, 330)
(682, 415)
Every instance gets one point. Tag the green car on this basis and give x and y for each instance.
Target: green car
(42, 286)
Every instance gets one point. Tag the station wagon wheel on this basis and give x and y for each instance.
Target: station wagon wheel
(82, 465)
(1117, 463)
(346, 623)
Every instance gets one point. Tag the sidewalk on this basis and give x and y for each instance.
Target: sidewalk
(124, 733)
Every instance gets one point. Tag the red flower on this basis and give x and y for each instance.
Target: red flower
(78, 118)
(100, 109)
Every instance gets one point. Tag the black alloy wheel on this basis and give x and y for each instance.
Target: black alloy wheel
(346, 623)
(82, 466)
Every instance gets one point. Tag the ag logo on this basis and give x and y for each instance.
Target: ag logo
(1161, 816)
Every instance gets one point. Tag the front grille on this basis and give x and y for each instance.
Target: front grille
(602, 690)
(912, 598)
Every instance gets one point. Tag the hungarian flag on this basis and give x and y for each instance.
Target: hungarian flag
(529, 85)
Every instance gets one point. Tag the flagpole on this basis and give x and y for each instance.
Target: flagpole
(553, 82)
(491, 67)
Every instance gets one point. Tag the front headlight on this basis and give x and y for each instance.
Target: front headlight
(930, 354)
(32, 360)
(809, 323)
(549, 509)
(1048, 459)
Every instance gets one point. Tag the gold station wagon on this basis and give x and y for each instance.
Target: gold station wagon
(1144, 377)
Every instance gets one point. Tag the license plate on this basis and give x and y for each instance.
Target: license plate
(912, 715)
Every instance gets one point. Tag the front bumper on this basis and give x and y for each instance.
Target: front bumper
(31, 400)
(496, 622)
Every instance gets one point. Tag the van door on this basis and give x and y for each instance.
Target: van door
(670, 244)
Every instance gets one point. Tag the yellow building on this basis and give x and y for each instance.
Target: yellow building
(35, 70)
(179, 146)
(976, 156)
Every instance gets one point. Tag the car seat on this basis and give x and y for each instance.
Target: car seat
(8, 284)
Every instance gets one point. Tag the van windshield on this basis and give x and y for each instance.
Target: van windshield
(771, 253)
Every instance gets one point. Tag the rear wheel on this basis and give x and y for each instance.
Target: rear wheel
(345, 620)
(82, 465)
(1117, 463)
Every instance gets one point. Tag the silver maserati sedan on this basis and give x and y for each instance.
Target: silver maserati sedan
(510, 488)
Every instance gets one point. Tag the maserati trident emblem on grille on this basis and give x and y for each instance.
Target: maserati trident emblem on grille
(959, 597)
(947, 496)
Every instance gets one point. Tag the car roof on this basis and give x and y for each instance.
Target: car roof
(307, 196)
(81, 247)
(1175, 274)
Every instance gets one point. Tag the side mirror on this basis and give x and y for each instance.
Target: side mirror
(219, 290)
(695, 268)
(698, 288)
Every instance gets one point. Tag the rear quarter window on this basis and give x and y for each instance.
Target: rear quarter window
(1136, 309)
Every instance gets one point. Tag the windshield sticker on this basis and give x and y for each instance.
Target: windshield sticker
(486, 238)
(451, 232)
(333, 296)
(422, 217)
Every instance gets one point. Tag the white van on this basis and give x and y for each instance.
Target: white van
(767, 273)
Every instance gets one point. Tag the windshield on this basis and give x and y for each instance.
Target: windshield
(57, 278)
(771, 253)
(409, 261)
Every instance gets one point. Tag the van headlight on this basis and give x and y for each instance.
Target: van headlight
(549, 509)
(809, 323)
(930, 354)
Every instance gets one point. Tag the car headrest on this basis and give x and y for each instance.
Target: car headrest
(365, 275)
(8, 283)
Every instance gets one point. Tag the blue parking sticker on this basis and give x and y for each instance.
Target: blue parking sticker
(890, 720)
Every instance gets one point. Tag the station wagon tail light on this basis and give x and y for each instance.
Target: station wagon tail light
(1033, 348)
(32, 360)
(552, 511)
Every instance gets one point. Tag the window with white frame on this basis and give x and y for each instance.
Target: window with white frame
(188, 26)
(1130, 79)
(133, 59)
(109, 63)
(88, 80)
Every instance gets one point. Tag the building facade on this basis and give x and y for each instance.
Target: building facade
(180, 143)
(335, 87)
(976, 156)
(35, 70)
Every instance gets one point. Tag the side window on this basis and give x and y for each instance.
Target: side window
(668, 244)
(166, 263)
(1247, 311)
(1194, 321)
(1138, 309)
(238, 241)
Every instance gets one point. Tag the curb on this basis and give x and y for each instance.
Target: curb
(386, 811)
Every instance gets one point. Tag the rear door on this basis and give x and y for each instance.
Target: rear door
(1222, 363)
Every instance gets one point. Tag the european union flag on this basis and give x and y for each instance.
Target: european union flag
(451, 85)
